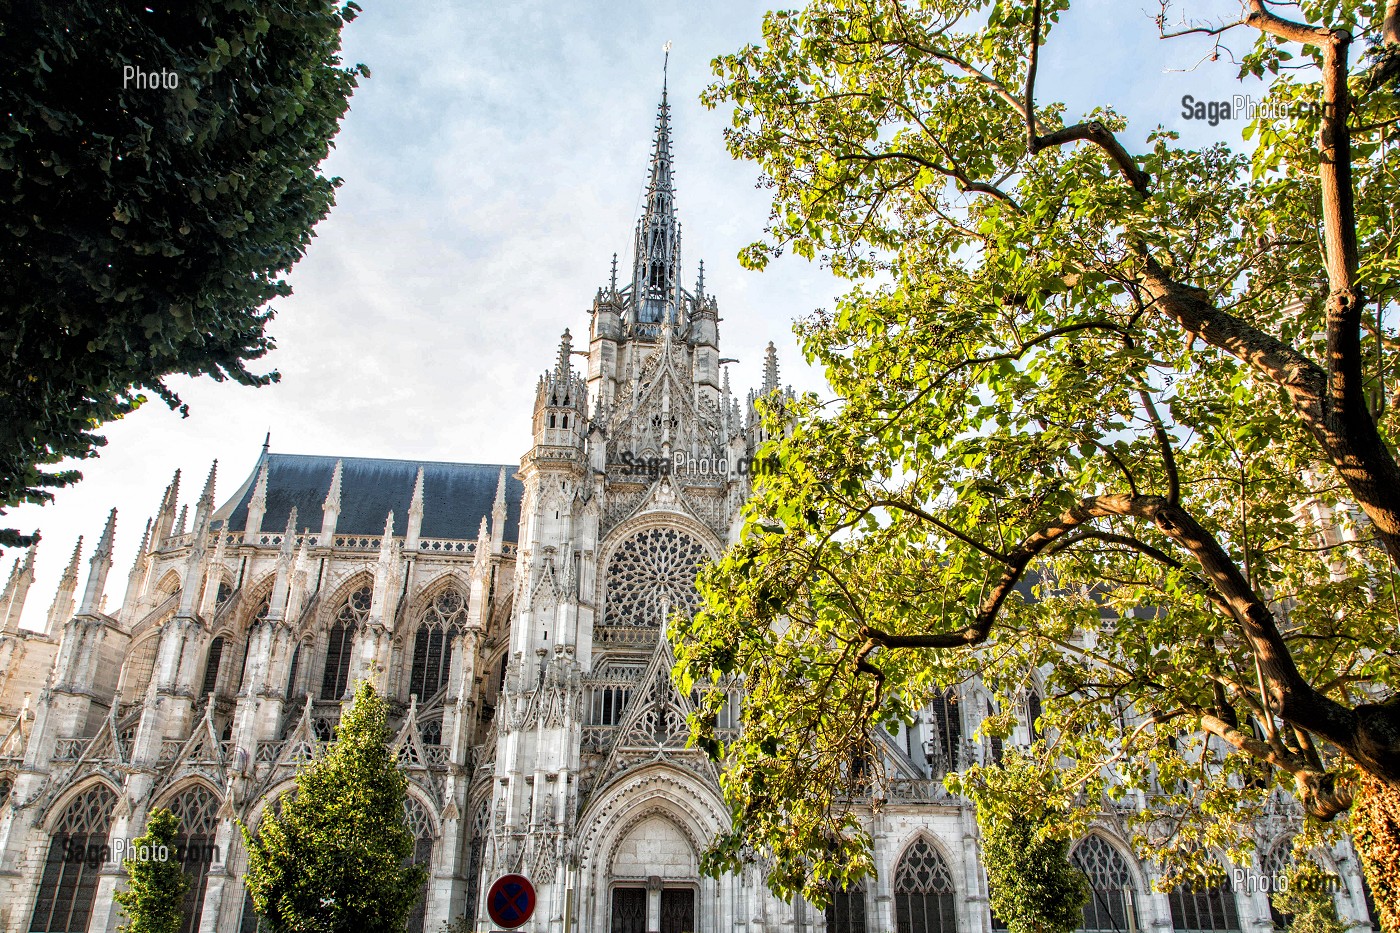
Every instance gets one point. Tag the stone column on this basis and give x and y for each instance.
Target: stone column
(654, 904)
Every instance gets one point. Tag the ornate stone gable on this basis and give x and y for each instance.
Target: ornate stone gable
(662, 412)
(654, 728)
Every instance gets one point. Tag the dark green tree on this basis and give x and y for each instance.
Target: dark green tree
(144, 229)
(1025, 846)
(154, 898)
(336, 857)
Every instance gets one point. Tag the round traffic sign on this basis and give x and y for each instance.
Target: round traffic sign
(511, 901)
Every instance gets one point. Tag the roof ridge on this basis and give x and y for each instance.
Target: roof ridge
(334, 457)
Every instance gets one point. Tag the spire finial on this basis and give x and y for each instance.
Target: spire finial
(267, 441)
(700, 282)
(613, 284)
(207, 496)
(566, 349)
(332, 500)
(770, 368)
(71, 571)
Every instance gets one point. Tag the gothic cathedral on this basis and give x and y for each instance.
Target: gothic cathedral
(516, 616)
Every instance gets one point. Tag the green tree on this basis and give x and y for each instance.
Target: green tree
(1025, 846)
(336, 857)
(1114, 418)
(154, 897)
(146, 228)
(1305, 898)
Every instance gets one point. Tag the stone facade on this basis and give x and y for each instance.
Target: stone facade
(515, 615)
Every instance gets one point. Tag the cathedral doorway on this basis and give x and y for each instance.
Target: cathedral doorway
(673, 910)
(629, 910)
(677, 910)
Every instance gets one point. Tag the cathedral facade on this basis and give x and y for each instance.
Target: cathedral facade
(515, 615)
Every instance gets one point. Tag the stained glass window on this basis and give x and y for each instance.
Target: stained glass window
(923, 891)
(1111, 901)
(432, 646)
(421, 825)
(945, 740)
(342, 637)
(77, 852)
(1274, 865)
(1204, 908)
(198, 811)
(846, 912)
(211, 666)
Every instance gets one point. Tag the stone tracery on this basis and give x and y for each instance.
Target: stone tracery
(651, 574)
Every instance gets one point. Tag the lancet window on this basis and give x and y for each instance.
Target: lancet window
(352, 614)
(1204, 908)
(846, 912)
(1111, 901)
(444, 620)
(924, 895)
(421, 825)
(198, 810)
(944, 744)
(211, 666)
(1275, 864)
(77, 852)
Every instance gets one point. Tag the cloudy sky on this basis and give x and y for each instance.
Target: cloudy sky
(492, 165)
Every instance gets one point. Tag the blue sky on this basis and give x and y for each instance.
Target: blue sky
(492, 165)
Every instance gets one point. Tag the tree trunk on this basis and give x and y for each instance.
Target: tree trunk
(1375, 829)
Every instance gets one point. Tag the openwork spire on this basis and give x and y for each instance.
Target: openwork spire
(658, 254)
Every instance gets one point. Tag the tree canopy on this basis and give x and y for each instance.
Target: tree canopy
(1032, 887)
(336, 856)
(158, 176)
(154, 897)
(1114, 426)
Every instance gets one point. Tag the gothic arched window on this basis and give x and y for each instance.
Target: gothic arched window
(432, 646)
(1034, 708)
(1274, 865)
(198, 811)
(1111, 901)
(1204, 908)
(652, 574)
(211, 666)
(481, 829)
(923, 891)
(292, 671)
(77, 851)
(421, 825)
(945, 721)
(846, 912)
(342, 636)
(258, 618)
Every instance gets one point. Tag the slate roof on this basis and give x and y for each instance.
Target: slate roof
(455, 495)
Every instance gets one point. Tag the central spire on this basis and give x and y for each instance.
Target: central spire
(656, 274)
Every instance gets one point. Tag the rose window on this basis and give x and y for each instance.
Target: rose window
(652, 575)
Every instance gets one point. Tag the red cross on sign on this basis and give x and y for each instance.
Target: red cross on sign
(511, 901)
